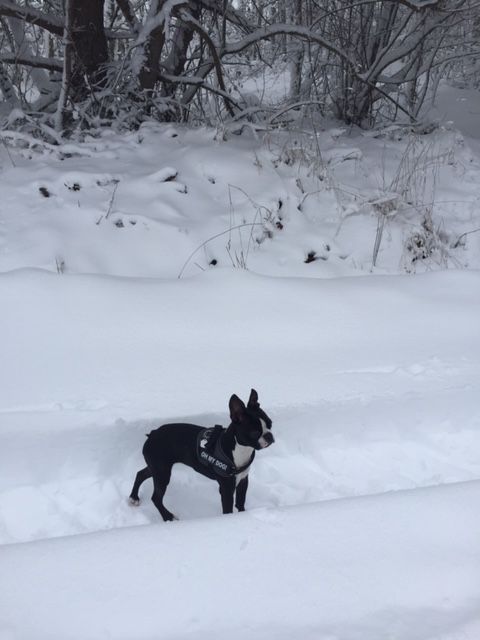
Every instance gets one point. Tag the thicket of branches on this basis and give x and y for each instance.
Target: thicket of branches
(66, 64)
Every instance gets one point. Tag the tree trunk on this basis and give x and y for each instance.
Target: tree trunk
(7, 89)
(153, 47)
(175, 63)
(89, 46)
(61, 114)
(297, 55)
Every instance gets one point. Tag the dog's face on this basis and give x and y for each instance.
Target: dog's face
(252, 425)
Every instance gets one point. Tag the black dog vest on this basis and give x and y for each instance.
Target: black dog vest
(211, 454)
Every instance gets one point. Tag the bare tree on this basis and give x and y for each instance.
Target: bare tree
(126, 59)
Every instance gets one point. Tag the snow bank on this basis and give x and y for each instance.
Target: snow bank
(141, 204)
(404, 566)
(131, 349)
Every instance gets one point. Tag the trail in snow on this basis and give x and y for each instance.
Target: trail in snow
(362, 402)
(77, 481)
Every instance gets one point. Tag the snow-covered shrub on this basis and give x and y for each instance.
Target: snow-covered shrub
(428, 244)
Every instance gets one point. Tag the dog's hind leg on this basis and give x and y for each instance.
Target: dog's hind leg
(161, 478)
(141, 476)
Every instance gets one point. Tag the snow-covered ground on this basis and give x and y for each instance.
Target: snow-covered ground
(362, 519)
(396, 566)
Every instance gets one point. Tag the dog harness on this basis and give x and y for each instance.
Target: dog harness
(211, 454)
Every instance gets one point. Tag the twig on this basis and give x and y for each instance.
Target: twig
(463, 235)
(110, 206)
(8, 152)
(217, 235)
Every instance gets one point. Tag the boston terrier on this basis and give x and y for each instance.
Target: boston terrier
(224, 455)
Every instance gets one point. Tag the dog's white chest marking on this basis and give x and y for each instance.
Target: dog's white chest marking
(241, 455)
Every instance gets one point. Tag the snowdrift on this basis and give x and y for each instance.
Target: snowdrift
(402, 566)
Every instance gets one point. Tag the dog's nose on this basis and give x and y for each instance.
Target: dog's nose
(268, 437)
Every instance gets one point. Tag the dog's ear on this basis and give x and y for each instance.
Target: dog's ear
(237, 409)
(253, 400)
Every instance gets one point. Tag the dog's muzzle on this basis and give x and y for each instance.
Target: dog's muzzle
(266, 440)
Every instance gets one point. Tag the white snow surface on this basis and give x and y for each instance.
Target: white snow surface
(406, 569)
(362, 519)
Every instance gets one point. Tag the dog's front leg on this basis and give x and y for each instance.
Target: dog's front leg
(241, 494)
(227, 490)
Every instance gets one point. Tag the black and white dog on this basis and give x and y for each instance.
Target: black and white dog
(224, 455)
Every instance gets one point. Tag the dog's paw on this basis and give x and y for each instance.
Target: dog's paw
(133, 502)
(168, 517)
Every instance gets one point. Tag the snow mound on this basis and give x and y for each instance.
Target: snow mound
(403, 567)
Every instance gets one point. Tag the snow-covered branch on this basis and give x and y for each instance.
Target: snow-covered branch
(189, 20)
(38, 62)
(271, 31)
(159, 20)
(47, 21)
(128, 13)
(200, 83)
(403, 43)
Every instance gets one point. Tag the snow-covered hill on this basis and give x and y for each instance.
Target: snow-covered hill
(169, 201)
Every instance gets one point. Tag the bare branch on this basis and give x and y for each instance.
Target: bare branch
(128, 13)
(46, 21)
(418, 5)
(189, 20)
(200, 84)
(234, 17)
(51, 64)
(304, 33)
